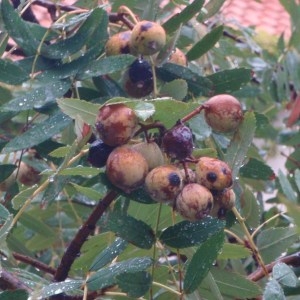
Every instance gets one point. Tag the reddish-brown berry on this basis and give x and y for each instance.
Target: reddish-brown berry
(223, 113)
(213, 173)
(116, 124)
(126, 168)
(194, 202)
(178, 57)
(28, 175)
(164, 183)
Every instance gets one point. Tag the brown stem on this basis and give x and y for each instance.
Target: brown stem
(8, 281)
(87, 228)
(33, 262)
(293, 260)
(192, 114)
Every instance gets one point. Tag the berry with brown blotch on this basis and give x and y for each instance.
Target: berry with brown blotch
(147, 38)
(118, 43)
(223, 113)
(189, 176)
(151, 152)
(116, 124)
(194, 202)
(164, 183)
(213, 173)
(126, 168)
(178, 57)
(178, 142)
(28, 175)
(226, 198)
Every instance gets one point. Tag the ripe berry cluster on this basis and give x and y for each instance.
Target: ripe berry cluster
(166, 169)
(146, 38)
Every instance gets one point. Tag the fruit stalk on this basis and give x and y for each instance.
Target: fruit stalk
(192, 114)
(252, 245)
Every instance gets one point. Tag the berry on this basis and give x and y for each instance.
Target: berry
(213, 173)
(223, 113)
(226, 198)
(140, 70)
(139, 79)
(126, 168)
(178, 142)
(164, 183)
(28, 175)
(116, 124)
(98, 153)
(147, 38)
(151, 152)
(118, 43)
(178, 57)
(194, 202)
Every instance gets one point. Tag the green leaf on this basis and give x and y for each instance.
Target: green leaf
(202, 261)
(38, 97)
(134, 231)
(285, 275)
(257, 169)
(38, 133)
(183, 17)
(273, 242)
(198, 85)
(250, 208)
(234, 251)
(18, 29)
(16, 295)
(176, 89)
(134, 284)
(67, 47)
(273, 291)
(229, 81)
(76, 107)
(5, 229)
(107, 276)
(211, 8)
(58, 288)
(205, 44)
(21, 197)
(40, 242)
(36, 225)
(108, 254)
(60, 152)
(233, 285)
(6, 170)
(188, 234)
(239, 145)
(4, 213)
(106, 65)
(87, 191)
(10, 73)
(80, 171)
(297, 178)
(287, 187)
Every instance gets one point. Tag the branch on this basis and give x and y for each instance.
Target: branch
(85, 230)
(33, 262)
(8, 281)
(293, 260)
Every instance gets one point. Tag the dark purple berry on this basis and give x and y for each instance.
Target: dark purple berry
(178, 142)
(98, 153)
(140, 70)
